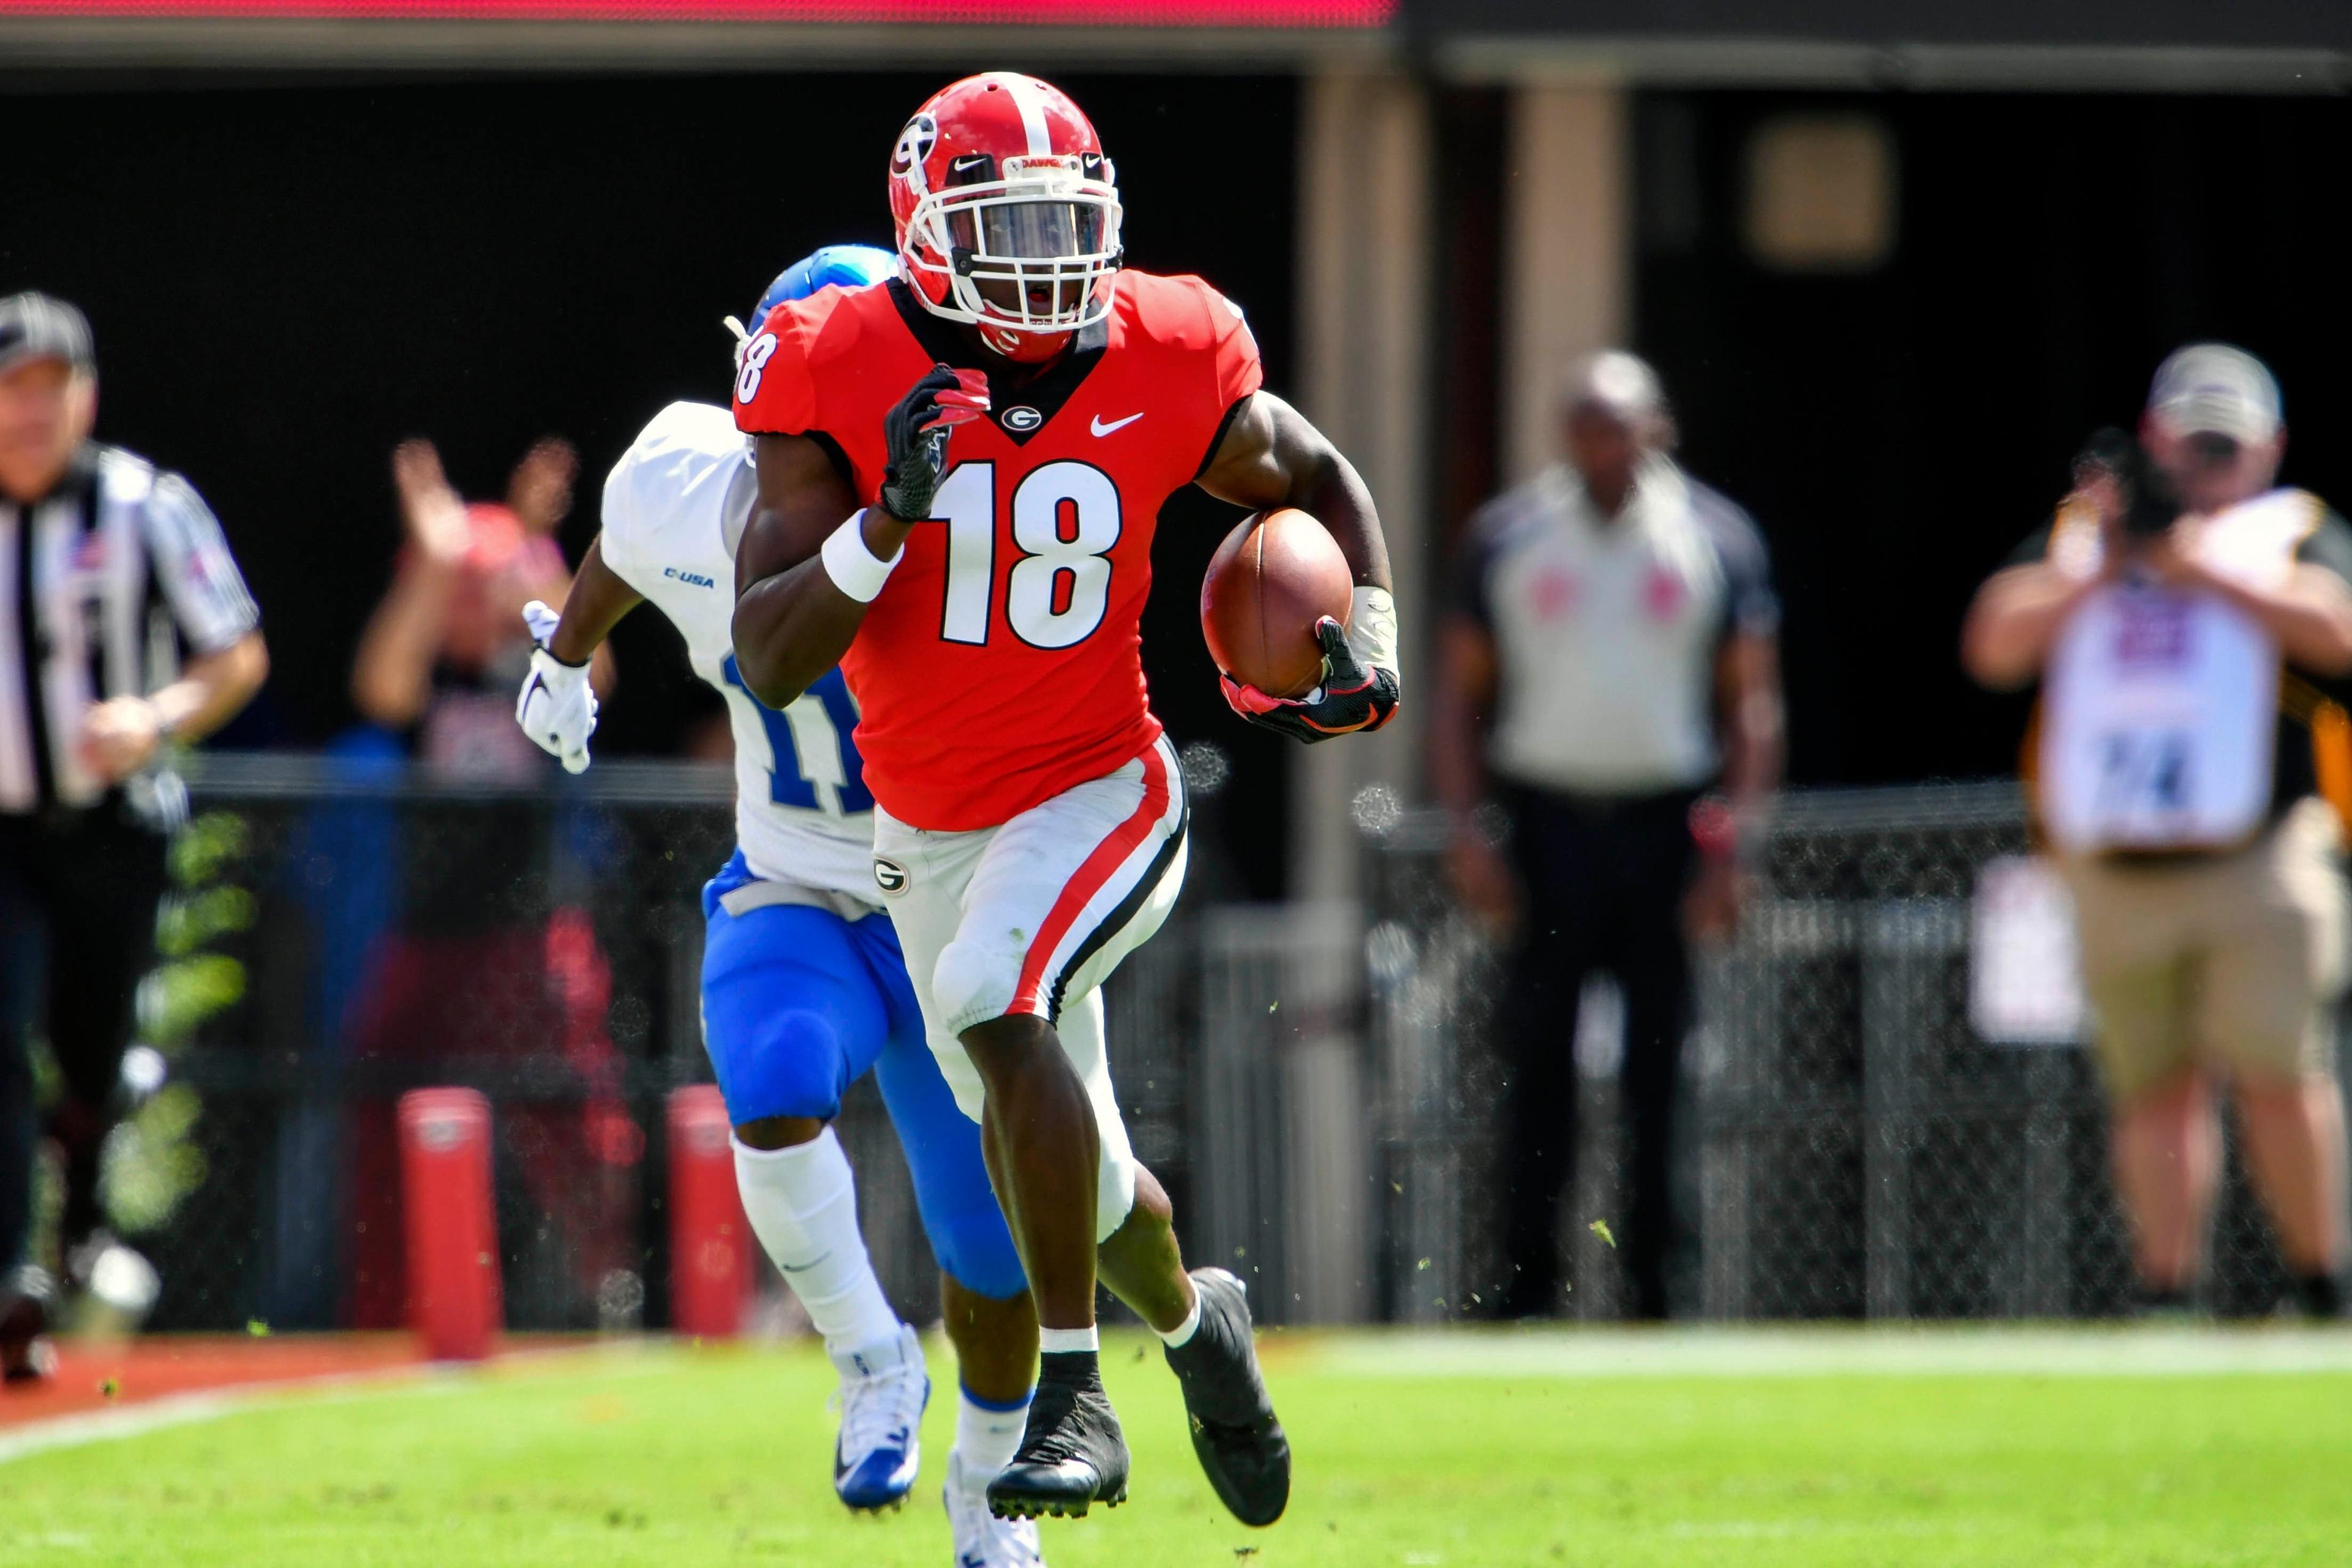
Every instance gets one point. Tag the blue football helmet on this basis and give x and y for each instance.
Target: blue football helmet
(851, 266)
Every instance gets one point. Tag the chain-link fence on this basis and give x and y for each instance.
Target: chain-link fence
(1852, 1146)
(401, 928)
(342, 931)
(1319, 1085)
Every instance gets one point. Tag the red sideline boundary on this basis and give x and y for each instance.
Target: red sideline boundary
(105, 1375)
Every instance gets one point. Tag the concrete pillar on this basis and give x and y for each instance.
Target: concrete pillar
(1364, 248)
(1569, 226)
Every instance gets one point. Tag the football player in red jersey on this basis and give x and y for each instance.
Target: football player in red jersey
(985, 609)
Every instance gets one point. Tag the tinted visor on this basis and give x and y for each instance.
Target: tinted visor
(1030, 231)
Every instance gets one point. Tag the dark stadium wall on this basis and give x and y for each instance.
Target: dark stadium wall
(1898, 432)
(1470, 131)
(287, 279)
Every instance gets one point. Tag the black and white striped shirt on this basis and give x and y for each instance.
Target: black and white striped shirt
(103, 585)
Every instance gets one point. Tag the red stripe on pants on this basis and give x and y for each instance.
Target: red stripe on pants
(1097, 870)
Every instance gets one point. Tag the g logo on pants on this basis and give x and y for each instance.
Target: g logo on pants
(889, 876)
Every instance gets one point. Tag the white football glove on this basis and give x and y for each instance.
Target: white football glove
(557, 709)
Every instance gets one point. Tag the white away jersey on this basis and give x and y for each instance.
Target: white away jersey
(675, 507)
(2159, 714)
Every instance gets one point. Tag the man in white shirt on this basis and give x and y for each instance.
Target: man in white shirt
(2191, 629)
(1611, 661)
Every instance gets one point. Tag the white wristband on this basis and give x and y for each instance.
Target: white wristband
(1372, 631)
(852, 566)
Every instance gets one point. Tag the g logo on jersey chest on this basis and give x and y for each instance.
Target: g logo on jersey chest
(1022, 418)
(889, 876)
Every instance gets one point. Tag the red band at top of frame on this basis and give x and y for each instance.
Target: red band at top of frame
(1307, 13)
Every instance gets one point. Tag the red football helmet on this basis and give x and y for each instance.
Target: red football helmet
(1007, 213)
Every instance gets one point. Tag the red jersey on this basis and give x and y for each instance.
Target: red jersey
(1002, 662)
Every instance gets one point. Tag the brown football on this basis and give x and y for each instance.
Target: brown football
(1273, 578)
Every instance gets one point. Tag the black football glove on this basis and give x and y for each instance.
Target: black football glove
(1352, 697)
(915, 437)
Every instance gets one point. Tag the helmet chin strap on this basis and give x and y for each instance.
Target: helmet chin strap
(1023, 348)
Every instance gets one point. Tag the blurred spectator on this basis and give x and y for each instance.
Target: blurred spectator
(445, 650)
(2191, 626)
(1609, 655)
(114, 571)
(483, 975)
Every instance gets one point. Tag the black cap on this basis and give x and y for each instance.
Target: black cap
(35, 326)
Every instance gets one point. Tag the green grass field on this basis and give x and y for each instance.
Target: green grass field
(1815, 1448)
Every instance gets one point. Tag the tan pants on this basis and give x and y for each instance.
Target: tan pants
(2233, 960)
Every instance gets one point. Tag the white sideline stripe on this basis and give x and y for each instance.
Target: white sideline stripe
(2120, 1352)
(87, 1426)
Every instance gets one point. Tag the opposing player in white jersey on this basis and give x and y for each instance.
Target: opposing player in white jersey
(802, 985)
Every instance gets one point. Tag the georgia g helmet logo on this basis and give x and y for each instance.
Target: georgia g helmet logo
(889, 876)
(915, 144)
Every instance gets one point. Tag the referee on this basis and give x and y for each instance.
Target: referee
(1611, 681)
(110, 571)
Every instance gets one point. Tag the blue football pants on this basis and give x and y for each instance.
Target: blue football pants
(797, 1003)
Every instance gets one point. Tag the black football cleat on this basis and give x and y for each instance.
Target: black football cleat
(1241, 1445)
(1072, 1456)
(27, 1302)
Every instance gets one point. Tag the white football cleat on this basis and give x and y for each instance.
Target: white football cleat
(983, 1540)
(883, 1390)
